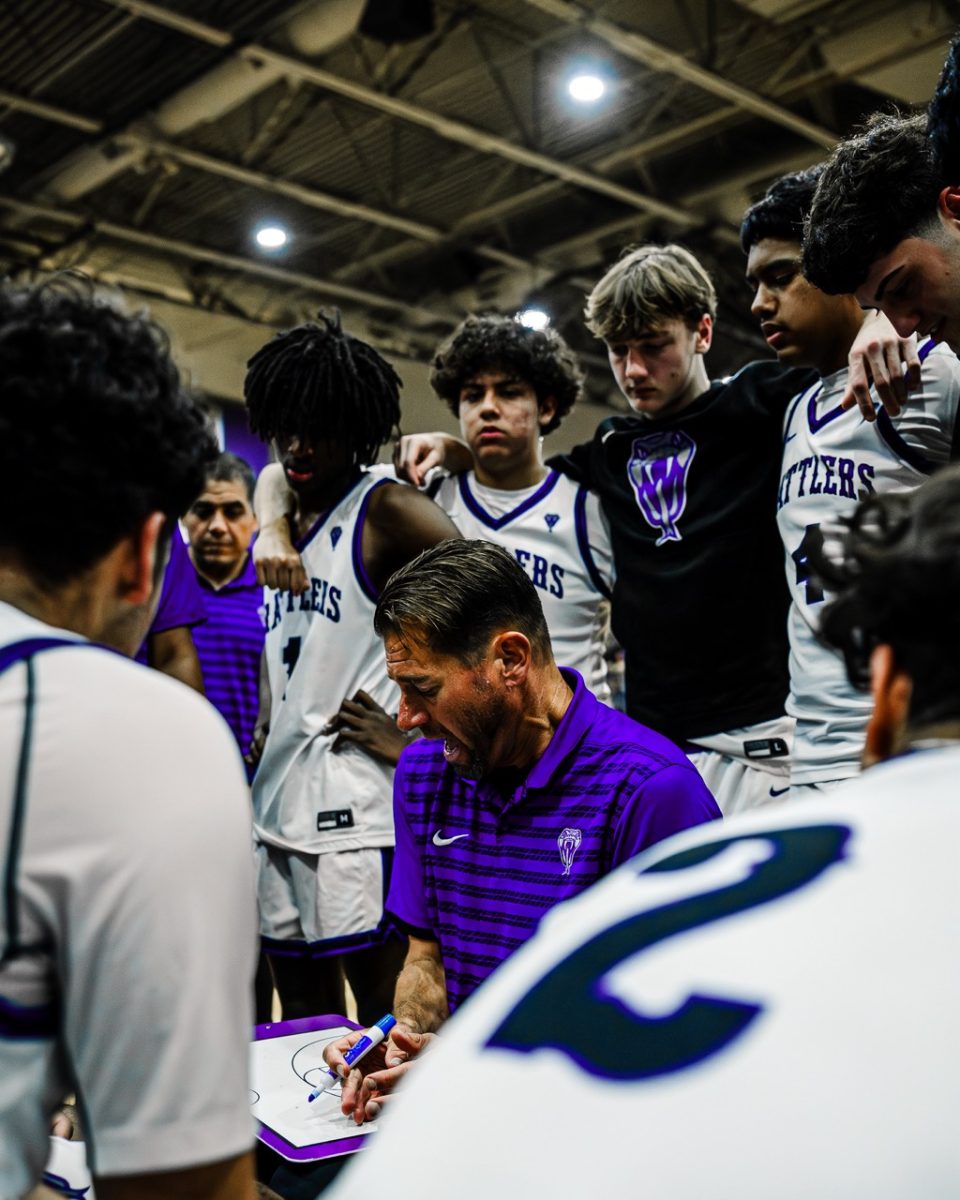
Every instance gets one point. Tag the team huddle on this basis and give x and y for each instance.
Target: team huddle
(682, 913)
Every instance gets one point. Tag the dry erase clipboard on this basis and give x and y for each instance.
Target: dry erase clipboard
(294, 1066)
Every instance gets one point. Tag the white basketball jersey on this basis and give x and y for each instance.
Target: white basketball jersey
(321, 648)
(556, 532)
(763, 1008)
(831, 459)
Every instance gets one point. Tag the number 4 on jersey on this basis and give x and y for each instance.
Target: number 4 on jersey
(812, 543)
(291, 652)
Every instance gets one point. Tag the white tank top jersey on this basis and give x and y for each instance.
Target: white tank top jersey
(832, 458)
(321, 648)
(557, 533)
(763, 1008)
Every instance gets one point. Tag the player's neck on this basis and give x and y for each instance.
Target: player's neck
(77, 606)
(512, 477)
(834, 354)
(312, 505)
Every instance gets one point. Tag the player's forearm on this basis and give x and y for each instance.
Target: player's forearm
(273, 500)
(420, 997)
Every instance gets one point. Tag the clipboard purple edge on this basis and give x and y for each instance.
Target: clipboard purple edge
(274, 1140)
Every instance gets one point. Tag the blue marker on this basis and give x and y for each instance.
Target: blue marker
(372, 1037)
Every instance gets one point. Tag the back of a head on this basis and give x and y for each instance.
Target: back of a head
(96, 431)
(877, 188)
(781, 213)
(943, 120)
(231, 468)
(491, 342)
(318, 379)
(897, 582)
(458, 595)
(647, 286)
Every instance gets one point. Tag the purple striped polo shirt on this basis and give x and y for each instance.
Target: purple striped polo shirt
(476, 867)
(229, 644)
(180, 600)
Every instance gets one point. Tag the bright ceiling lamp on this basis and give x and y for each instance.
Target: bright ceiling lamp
(586, 87)
(271, 237)
(533, 318)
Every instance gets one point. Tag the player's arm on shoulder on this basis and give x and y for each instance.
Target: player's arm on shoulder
(174, 653)
(878, 356)
(416, 454)
(232, 1179)
(578, 463)
(673, 799)
(401, 522)
(275, 558)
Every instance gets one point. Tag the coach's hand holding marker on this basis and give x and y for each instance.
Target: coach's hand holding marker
(372, 1037)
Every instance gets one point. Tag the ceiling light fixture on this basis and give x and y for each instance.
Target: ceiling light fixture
(271, 237)
(534, 318)
(586, 87)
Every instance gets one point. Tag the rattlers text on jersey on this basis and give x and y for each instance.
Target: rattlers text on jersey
(763, 1009)
(320, 649)
(558, 535)
(831, 459)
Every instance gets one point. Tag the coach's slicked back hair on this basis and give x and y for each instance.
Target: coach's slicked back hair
(898, 582)
(782, 211)
(457, 595)
(943, 120)
(231, 468)
(318, 379)
(96, 431)
(877, 188)
(540, 357)
(648, 286)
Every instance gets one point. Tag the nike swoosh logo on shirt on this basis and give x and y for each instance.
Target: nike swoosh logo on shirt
(779, 791)
(440, 840)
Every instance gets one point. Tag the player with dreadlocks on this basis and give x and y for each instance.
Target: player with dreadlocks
(322, 805)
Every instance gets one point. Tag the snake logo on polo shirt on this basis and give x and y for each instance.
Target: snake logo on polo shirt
(569, 843)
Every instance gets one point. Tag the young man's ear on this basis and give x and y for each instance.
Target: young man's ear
(141, 572)
(547, 410)
(704, 332)
(948, 204)
(892, 690)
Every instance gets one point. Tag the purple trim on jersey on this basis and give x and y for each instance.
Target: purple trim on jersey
(583, 542)
(17, 651)
(816, 423)
(909, 454)
(493, 522)
(28, 1023)
(360, 571)
(346, 1145)
(229, 645)
(605, 788)
(302, 542)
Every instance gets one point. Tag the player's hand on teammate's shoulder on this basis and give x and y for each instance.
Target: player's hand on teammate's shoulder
(276, 559)
(373, 1081)
(878, 356)
(415, 455)
(362, 722)
(257, 742)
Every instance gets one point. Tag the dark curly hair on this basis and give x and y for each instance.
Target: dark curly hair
(943, 119)
(490, 342)
(317, 378)
(877, 188)
(96, 431)
(782, 211)
(897, 580)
